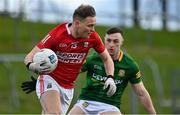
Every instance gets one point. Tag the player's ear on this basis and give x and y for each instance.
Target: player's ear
(77, 23)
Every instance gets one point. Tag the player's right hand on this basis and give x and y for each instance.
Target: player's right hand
(39, 67)
(29, 86)
(112, 86)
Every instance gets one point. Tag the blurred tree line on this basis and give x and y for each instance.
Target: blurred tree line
(136, 12)
(135, 7)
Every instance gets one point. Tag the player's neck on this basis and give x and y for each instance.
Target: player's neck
(73, 32)
(116, 56)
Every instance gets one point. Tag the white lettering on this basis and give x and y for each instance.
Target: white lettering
(99, 77)
(103, 78)
(71, 57)
(62, 45)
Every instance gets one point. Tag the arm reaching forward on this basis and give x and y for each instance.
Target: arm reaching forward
(144, 97)
(109, 67)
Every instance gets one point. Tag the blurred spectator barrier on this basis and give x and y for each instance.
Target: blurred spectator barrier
(6, 61)
(175, 94)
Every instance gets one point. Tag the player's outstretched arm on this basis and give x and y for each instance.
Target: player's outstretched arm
(109, 67)
(144, 97)
(108, 62)
(29, 86)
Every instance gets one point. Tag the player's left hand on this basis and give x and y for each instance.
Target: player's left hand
(29, 86)
(112, 86)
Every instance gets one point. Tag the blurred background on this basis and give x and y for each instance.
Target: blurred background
(151, 32)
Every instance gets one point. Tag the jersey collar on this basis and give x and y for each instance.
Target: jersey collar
(120, 55)
(67, 27)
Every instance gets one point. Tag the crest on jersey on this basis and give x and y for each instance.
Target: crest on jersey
(121, 73)
(138, 74)
(85, 104)
(74, 45)
(86, 44)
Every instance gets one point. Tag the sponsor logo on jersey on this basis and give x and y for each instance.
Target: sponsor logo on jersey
(71, 57)
(97, 77)
(118, 81)
(121, 73)
(61, 45)
(86, 44)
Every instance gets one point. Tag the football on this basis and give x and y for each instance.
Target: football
(49, 56)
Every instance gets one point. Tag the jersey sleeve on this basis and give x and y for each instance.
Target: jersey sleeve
(99, 46)
(135, 76)
(48, 40)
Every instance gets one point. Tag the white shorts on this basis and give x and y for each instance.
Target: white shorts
(46, 83)
(95, 108)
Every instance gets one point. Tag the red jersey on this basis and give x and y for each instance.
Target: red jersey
(71, 52)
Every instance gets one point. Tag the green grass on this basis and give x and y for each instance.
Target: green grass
(161, 46)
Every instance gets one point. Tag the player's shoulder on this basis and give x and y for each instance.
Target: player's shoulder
(95, 35)
(61, 28)
(129, 60)
(128, 57)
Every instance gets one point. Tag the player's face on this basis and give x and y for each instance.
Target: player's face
(85, 27)
(113, 43)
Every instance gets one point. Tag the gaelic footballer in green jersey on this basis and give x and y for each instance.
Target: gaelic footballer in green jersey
(126, 70)
(93, 99)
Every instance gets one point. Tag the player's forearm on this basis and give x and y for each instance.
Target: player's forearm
(147, 103)
(28, 59)
(109, 67)
(30, 55)
(108, 62)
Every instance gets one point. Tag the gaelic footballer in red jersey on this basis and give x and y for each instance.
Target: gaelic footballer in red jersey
(71, 43)
(71, 52)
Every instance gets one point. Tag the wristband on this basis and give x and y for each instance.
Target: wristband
(110, 76)
(27, 66)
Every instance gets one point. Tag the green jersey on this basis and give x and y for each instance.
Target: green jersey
(126, 70)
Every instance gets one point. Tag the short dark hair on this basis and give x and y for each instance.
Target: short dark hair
(114, 30)
(84, 11)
